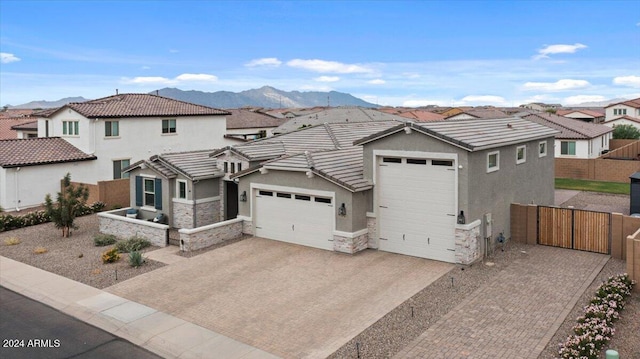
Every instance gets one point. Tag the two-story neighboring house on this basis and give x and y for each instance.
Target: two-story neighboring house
(623, 113)
(122, 129)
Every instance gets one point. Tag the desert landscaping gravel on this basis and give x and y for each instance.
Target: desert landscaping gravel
(75, 257)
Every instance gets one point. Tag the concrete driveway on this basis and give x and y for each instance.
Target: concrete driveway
(288, 300)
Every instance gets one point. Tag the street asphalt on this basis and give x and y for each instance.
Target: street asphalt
(31, 330)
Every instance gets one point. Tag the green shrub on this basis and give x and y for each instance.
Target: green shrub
(101, 240)
(132, 244)
(9, 221)
(135, 259)
(110, 256)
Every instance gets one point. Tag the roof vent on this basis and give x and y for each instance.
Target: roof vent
(509, 125)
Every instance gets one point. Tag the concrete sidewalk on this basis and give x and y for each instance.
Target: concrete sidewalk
(160, 333)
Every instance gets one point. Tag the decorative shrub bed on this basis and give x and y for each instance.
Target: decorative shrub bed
(594, 329)
(9, 221)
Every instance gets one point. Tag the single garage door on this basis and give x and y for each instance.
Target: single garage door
(416, 199)
(295, 218)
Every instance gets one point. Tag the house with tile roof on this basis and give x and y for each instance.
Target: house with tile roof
(333, 115)
(577, 139)
(31, 168)
(9, 118)
(125, 128)
(478, 113)
(583, 115)
(244, 124)
(439, 190)
(630, 108)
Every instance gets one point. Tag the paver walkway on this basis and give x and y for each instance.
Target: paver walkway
(516, 314)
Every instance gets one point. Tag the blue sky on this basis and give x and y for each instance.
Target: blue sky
(412, 53)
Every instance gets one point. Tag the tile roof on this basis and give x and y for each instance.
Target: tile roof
(475, 134)
(27, 126)
(635, 103)
(39, 151)
(137, 105)
(568, 127)
(335, 115)
(483, 113)
(16, 113)
(626, 117)
(585, 112)
(242, 118)
(195, 165)
(6, 124)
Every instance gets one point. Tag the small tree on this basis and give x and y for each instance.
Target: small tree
(68, 203)
(629, 132)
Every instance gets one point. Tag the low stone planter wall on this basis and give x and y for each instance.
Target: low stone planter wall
(468, 242)
(116, 223)
(206, 236)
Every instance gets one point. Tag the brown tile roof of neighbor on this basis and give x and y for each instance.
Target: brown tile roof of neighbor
(138, 105)
(195, 165)
(15, 112)
(585, 112)
(635, 103)
(568, 127)
(626, 117)
(6, 124)
(39, 151)
(27, 126)
(241, 118)
(483, 113)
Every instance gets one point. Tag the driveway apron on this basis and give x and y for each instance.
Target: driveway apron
(516, 314)
(289, 300)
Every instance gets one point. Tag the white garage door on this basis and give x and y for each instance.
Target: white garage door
(417, 211)
(295, 218)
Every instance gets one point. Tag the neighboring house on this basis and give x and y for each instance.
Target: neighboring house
(26, 130)
(539, 106)
(583, 115)
(624, 120)
(246, 125)
(417, 115)
(577, 139)
(31, 168)
(398, 187)
(10, 118)
(184, 186)
(334, 115)
(478, 113)
(126, 128)
(629, 108)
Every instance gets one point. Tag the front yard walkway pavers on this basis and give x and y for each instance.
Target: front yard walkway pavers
(516, 314)
(288, 300)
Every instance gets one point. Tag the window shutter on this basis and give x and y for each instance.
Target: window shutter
(139, 192)
(158, 194)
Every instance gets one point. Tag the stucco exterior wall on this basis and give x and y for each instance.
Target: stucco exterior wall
(355, 203)
(631, 112)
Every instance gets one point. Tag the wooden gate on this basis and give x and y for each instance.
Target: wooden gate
(574, 228)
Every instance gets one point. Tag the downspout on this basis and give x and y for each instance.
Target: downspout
(195, 207)
(17, 189)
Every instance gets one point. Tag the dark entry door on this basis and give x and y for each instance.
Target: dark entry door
(230, 200)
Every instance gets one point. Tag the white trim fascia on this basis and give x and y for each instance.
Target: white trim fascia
(147, 176)
(209, 226)
(290, 169)
(351, 234)
(469, 226)
(198, 201)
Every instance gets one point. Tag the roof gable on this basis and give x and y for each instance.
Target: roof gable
(195, 165)
(635, 103)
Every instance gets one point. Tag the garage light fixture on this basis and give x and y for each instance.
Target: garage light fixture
(342, 210)
(243, 196)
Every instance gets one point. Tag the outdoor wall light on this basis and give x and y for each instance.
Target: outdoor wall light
(342, 210)
(243, 196)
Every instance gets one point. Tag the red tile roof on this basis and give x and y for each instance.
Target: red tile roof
(241, 118)
(6, 133)
(635, 103)
(138, 105)
(585, 112)
(39, 151)
(569, 128)
(28, 126)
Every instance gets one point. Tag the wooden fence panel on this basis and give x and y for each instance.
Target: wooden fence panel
(591, 231)
(554, 227)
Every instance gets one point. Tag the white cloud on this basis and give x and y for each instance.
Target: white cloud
(267, 61)
(560, 85)
(558, 49)
(148, 80)
(197, 77)
(174, 51)
(633, 81)
(6, 58)
(146, 67)
(574, 100)
(328, 66)
(420, 103)
(483, 99)
(316, 88)
(327, 79)
(377, 82)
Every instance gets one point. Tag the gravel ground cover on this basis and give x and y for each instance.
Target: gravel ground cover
(603, 202)
(75, 257)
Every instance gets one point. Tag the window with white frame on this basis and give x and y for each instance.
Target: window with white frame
(568, 148)
(111, 129)
(619, 111)
(149, 192)
(181, 190)
(542, 149)
(521, 154)
(168, 126)
(70, 128)
(493, 161)
(118, 166)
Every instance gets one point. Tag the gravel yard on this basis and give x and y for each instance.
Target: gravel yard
(75, 257)
(602, 202)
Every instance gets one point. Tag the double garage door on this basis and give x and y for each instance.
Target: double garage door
(417, 209)
(295, 217)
